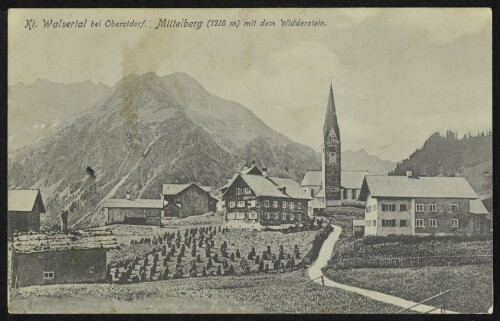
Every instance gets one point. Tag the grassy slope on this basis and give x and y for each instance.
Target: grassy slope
(251, 294)
(472, 284)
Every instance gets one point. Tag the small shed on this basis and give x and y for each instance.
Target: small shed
(53, 258)
(24, 209)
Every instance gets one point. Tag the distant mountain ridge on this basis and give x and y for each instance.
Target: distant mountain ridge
(362, 161)
(150, 130)
(38, 110)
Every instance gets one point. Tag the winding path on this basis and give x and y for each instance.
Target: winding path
(325, 254)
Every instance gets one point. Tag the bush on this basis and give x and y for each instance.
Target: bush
(318, 241)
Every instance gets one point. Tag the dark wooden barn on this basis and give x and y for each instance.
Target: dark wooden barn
(24, 209)
(182, 200)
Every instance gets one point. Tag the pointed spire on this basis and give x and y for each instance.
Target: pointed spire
(331, 117)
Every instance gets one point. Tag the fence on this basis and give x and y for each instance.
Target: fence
(410, 261)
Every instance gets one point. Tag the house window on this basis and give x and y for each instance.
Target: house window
(266, 203)
(299, 205)
(388, 207)
(292, 205)
(374, 222)
(238, 191)
(375, 207)
(247, 191)
(283, 216)
(266, 215)
(232, 204)
(292, 217)
(403, 223)
(433, 223)
(402, 207)
(441, 207)
(454, 222)
(275, 204)
(432, 208)
(388, 223)
(251, 203)
(241, 204)
(252, 216)
(454, 207)
(299, 217)
(48, 275)
(419, 222)
(92, 269)
(419, 208)
(276, 216)
(344, 191)
(354, 194)
(368, 209)
(284, 204)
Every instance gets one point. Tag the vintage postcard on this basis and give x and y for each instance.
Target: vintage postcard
(250, 161)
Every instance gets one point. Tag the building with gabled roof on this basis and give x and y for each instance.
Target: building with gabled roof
(133, 211)
(422, 206)
(24, 209)
(183, 200)
(54, 257)
(252, 196)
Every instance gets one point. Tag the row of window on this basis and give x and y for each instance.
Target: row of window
(253, 203)
(284, 216)
(436, 207)
(388, 207)
(246, 190)
(404, 223)
(433, 222)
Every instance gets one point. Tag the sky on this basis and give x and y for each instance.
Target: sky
(398, 75)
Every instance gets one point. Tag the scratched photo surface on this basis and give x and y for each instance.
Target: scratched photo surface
(250, 161)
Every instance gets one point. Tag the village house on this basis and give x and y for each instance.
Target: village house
(182, 200)
(133, 211)
(24, 209)
(408, 205)
(254, 197)
(54, 258)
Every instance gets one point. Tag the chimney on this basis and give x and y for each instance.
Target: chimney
(409, 173)
(64, 221)
(283, 189)
(253, 162)
(128, 196)
(264, 171)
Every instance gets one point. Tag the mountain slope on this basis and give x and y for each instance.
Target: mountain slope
(148, 131)
(470, 157)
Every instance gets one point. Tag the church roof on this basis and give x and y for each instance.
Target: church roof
(348, 179)
(331, 117)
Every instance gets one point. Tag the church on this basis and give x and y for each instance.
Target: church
(331, 187)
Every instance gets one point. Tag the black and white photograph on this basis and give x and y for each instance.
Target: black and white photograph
(250, 161)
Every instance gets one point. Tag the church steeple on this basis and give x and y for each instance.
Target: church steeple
(331, 156)
(331, 117)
